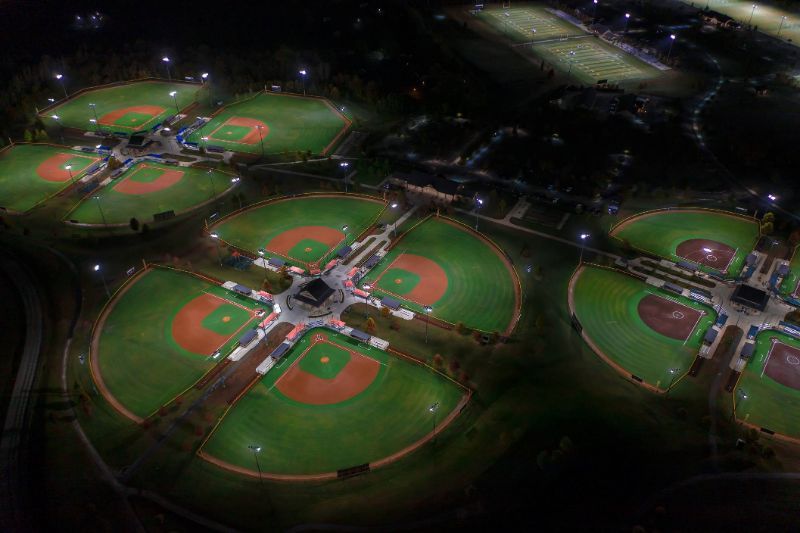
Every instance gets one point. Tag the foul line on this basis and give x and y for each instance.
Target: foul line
(700, 313)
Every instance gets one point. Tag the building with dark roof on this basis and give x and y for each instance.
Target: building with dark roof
(750, 297)
(314, 293)
(438, 187)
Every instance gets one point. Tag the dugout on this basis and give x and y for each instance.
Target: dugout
(750, 297)
(711, 336)
(360, 335)
(344, 252)
(280, 351)
(391, 303)
(747, 350)
(248, 337)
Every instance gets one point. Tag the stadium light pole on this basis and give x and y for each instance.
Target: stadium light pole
(673, 372)
(100, 208)
(752, 12)
(234, 181)
(366, 299)
(256, 450)
(428, 310)
(205, 142)
(343, 165)
(259, 127)
(207, 82)
(165, 59)
(571, 55)
(60, 127)
(780, 26)
(594, 10)
(103, 277)
(772, 197)
(96, 125)
(68, 168)
(211, 179)
(174, 95)
(60, 78)
(215, 236)
(627, 19)
(584, 236)
(432, 410)
(672, 38)
(478, 205)
(394, 226)
(303, 74)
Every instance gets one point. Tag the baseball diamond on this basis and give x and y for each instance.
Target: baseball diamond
(32, 173)
(146, 350)
(768, 392)
(149, 188)
(361, 406)
(445, 265)
(127, 107)
(272, 123)
(304, 230)
(634, 327)
(716, 240)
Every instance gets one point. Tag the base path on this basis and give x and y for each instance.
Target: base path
(669, 318)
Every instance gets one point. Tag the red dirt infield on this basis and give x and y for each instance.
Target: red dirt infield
(52, 169)
(252, 137)
(353, 379)
(718, 258)
(284, 242)
(110, 119)
(668, 318)
(784, 364)
(432, 278)
(165, 180)
(186, 328)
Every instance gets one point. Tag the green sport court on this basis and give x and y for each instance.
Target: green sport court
(288, 123)
(665, 232)
(32, 173)
(301, 438)
(129, 107)
(480, 286)
(302, 230)
(606, 303)
(145, 352)
(149, 188)
(766, 17)
(768, 404)
(591, 60)
(789, 285)
(528, 23)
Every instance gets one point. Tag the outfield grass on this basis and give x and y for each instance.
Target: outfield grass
(660, 232)
(606, 303)
(76, 112)
(769, 404)
(294, 123)
(789, 283)
(766, 17)
(193, 189)
(298, 438)
(140, 362)
(590, 60)
(21, 188)
(254, 228)
(480, 289)
(528, 23)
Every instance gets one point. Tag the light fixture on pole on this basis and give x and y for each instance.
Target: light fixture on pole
(174, 95)
(428, 310)
(366, 288)
(584, 236)
(207, 82)
(60, 78)
(100, 208)
(68, 168)
(478, 205)
(594, 10)
(672, 38)
(60, 127)
(215, 236)
(343, 165)
(165, 59)
(260, 127)
(627, 19)
(673, 372)
(432, 410)
(752, 12)
(394, 226)
(256, 450)
(211, 179)
(103, 277)
(783, 19)
(303, 74)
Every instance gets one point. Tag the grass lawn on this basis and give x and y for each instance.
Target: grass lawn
(792, 279)
(255, 227)
(606, 304)
(660, 232)
(119, 205)
(292, 123)
(480, 288)
(297, 438)
(139, 360)
(528, 23)
(769, 404)
(22, 180)
(76, 111)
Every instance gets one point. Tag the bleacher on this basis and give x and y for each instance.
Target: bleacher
(790, 329)
(721, 319)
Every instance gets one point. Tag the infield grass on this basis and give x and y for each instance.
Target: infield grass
(294, 123)
(606, 304)
(660, 233)
(296, 438)
(21, 187)
(141, 364)
(194, 188)
(76, 112)
(769, 404)
(480, 288)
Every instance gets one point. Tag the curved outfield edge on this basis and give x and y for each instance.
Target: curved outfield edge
(596, 349)
(653, 212)
(440, 427)
(497, 250)
(186, 211)
(252, 255)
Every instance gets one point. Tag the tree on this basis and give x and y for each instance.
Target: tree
(27, 136)
(385, 312)
(503, 206)
(438, 361)
(460, 327)
(41, 135)
(134, 224)
(769, 216)
(370, 325)
(767, 228)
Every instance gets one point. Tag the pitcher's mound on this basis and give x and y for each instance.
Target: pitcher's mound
(398, 281)
(226, 319)
(324, 359)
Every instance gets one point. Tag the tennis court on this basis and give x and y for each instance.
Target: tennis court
(528, 23)
(767, 394)
(637, 328)
(591, 60)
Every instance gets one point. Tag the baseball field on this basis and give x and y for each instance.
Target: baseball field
(790, 286)
(147, 188)
(129, 107)
(638, 329)
(303, 230)
(768, 392)
(528, 23)
(446, 266)
(776, 21)
(272, 123)
(332, 403)
(157, 335)
(715, 240)
(31, 173)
